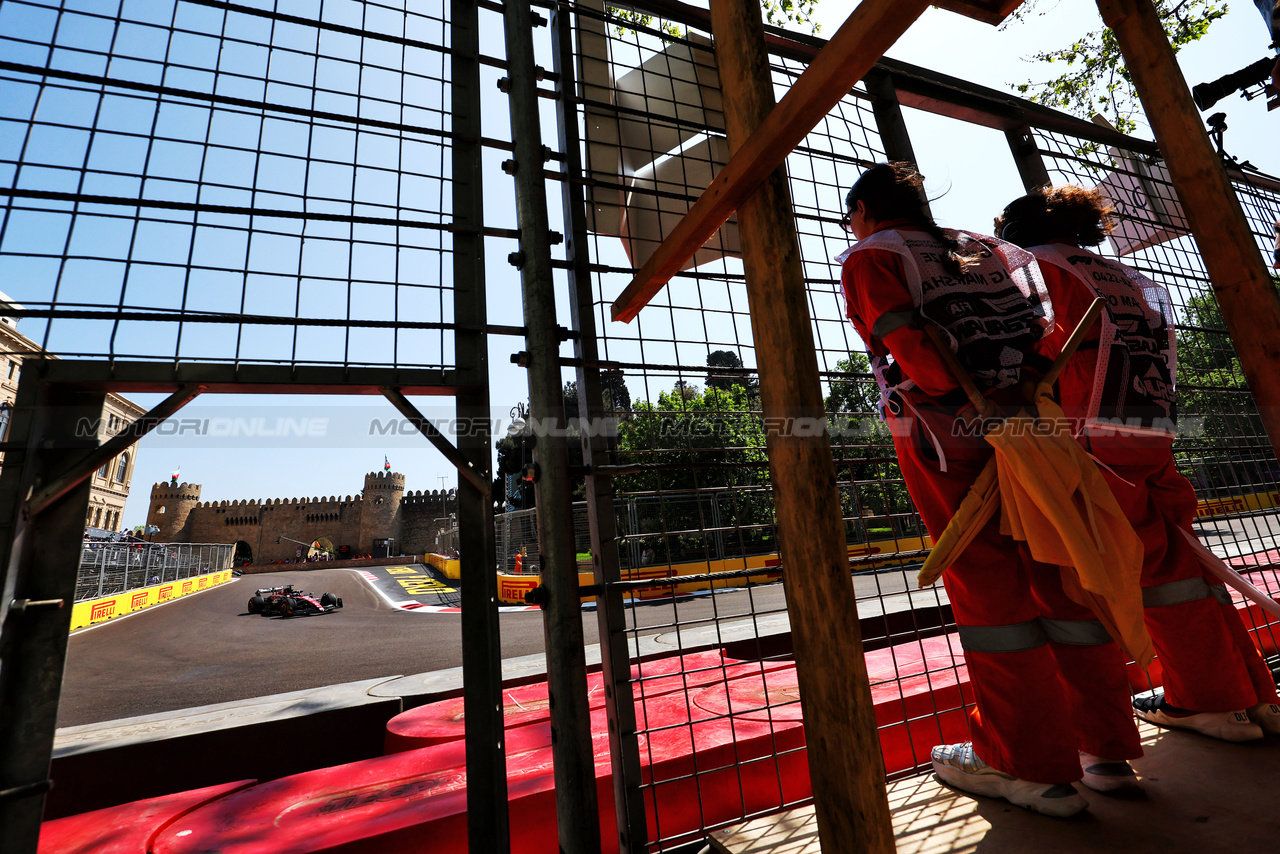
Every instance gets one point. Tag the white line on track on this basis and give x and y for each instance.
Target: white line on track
(416, 607)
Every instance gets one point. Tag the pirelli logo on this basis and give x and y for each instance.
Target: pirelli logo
(139, 600)
(1219, 506)
(166, 592)
(186, 587)
(204, 581)
(102, 610)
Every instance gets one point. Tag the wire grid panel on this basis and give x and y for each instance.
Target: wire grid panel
(516, 533)
(110, 568)
(681, 381)
(226, 182)
(1222, 447)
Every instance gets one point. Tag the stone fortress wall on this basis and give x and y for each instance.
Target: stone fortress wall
(382, 510)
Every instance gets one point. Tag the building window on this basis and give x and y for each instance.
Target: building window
(97, 518)
(160, 512)
(102, 472)
(4, 420)
(122, 467)
(13, 366)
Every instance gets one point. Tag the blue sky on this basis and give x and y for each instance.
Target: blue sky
(350, 271)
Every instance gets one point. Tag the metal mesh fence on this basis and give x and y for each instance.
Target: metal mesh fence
(201, 180)
(693, 486)
(213, 181)
(110, 568)
(692, 495)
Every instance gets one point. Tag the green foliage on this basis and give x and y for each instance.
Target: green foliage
(729, 359)
(778, 13)
(688, 426)
(1095, 79)
(1216, 410)
(714, 445)
(871, 482)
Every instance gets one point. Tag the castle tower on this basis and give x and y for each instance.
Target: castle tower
(170, 507)
(380, 510)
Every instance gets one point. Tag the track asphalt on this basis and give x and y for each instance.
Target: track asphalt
(208, 648)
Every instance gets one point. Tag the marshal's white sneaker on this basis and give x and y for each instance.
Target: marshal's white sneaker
(1111, 776)
(1228, 726)
(958, 766)
(1266, 716)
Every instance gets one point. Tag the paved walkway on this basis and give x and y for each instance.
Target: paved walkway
(1201, 797)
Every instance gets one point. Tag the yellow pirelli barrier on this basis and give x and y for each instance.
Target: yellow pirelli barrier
(448, 565)
(1237, 504)
(94, 611)
(512, 588)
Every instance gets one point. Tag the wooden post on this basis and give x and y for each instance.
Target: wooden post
(845, 763)
(1236, 268)
(869, 31)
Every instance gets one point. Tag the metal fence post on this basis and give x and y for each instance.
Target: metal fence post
(488, 817)
(577, 810)
(624, 750)
(42, 553)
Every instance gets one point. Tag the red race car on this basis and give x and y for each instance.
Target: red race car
(288, 601)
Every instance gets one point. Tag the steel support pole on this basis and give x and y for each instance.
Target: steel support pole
(845, 762)
(1022, 144)
(577, 808)
(488, 816)
(889, 121)
(624, 749)
(42, 562)
(1232, 257)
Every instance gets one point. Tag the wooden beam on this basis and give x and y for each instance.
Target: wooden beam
(1235, 265)
(872, 28)
(845, 763)
(988, 11)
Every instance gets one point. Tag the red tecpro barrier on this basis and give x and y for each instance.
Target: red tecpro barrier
(416, 800)
(437, 723)
(129, 828)
(1252, 613)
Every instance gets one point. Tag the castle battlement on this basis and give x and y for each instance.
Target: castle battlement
(266, 528)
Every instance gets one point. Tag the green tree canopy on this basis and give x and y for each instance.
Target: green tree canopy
(1091, 76)
(726, 381)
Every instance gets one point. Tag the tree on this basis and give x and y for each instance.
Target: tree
(1214, 404)
(729, 359)
(1096, 79)
(864, 450)
(514, 452)
(779, 13)
(706, 467)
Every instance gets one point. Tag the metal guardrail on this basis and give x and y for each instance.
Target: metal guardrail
(110, 568)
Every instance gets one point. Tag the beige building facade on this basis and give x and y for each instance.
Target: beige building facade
(109, 488)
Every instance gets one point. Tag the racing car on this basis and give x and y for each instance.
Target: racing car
(288, 601)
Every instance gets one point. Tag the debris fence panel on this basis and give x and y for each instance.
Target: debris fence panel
(221, 182)
(713, 672)
(690, 479)
(1221, 447)
(110, 568)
